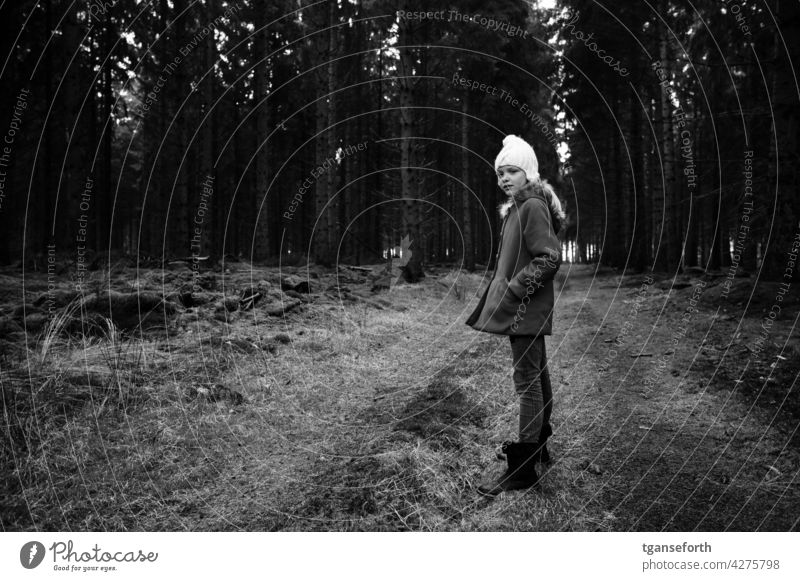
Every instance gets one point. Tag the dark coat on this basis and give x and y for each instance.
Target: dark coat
(519, 298)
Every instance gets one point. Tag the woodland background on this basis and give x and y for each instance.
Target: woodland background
(255, 96)
(288, 150)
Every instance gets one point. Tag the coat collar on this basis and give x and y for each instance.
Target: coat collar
(528, 191)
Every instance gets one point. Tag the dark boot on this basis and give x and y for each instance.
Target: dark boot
(500, 451)
(542, 455)
(521, 472)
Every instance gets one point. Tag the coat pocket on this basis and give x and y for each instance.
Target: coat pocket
(498, 311)
(501, 292)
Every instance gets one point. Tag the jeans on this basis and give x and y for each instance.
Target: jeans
(532, 384)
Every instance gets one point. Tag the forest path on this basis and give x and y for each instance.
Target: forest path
(687, 431)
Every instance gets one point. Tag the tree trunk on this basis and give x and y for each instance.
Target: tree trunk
(667, 255)
(333, 138)
(637, 218)
(261, 73)
(179, 241)
(408, 163)
(784, 176)
(46, 224)
(212, 240)
(103, 195)
(467, 199)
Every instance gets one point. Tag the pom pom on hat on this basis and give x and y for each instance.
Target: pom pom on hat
(518, 152)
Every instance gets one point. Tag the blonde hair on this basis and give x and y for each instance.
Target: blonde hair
(553, 202)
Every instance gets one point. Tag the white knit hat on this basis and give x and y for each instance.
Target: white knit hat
(518, 152)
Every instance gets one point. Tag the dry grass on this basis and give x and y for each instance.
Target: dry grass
(363, 416)
(369, 418)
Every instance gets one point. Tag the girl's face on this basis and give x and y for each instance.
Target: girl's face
(510, 178)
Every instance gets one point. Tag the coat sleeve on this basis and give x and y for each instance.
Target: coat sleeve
(542, 245)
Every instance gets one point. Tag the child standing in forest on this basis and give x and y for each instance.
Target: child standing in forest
(519, 303)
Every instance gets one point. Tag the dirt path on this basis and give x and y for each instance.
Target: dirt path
(680, 444)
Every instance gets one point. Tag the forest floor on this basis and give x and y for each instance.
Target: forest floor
(335, 408)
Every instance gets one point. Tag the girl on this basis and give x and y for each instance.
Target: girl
(519, 303)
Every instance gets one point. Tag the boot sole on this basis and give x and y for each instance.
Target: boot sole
(502, 458)
(490, 493)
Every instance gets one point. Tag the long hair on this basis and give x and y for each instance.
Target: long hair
(556, 208)
(541, 185)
